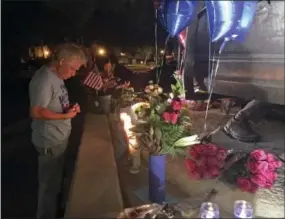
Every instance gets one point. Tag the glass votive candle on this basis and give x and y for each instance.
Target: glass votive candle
(243, 209)
(209, 210)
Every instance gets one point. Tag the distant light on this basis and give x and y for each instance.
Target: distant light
(161, 51)
(101, 52)
(46, 53)
(141, 62)
(123, 54)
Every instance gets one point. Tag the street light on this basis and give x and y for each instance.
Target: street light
(161, 51)
(101, 52)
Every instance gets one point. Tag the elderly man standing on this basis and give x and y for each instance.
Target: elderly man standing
(52, 113)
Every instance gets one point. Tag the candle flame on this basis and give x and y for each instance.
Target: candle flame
(127, 126)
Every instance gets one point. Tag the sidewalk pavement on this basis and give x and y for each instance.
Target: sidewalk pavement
(95, 191)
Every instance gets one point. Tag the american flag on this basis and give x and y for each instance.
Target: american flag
(93, 80)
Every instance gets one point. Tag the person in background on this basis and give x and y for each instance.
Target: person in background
(51, 113)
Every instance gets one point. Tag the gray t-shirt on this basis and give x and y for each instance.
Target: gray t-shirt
(47, 90)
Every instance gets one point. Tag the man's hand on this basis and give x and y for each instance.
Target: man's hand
(71, 113)
(76, 108)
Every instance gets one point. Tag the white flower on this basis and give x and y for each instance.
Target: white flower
(155, 93)
(160, 90)
(147, 90)
(151, 87)
(171, 95)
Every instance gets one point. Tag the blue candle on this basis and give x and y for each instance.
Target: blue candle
(243, 209)
(209, 210)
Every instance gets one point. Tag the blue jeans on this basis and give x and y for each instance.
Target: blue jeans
(50, 176)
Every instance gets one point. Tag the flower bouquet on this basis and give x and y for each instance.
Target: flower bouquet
(165, 126)
(205, 161)
(257, 169)
(247, 171)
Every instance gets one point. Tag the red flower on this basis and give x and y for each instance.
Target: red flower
(202, 161)
(259, 180)
(200, 149)
(213, 161)
(195, 175)
(215, 171)
(190, 165)
(166, 117)
(173, 118)
(176, 105)
(193, 153)
(246, 185)
(257, 167)
(221, 154)
(211, 149)
(258, 155)
(207, 175)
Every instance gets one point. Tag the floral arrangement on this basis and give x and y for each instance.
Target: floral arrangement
(205, 161)
(165, 126)
(259, 172)
(254, 170)
(127, 96)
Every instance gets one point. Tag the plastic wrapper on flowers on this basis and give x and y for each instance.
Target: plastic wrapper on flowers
(256, 170)
(247, 171)
(151, 211)
(206, 161)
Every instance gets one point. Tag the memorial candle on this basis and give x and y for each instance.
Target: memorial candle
(209, 210)
(243, 209)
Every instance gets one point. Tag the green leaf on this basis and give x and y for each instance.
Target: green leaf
(187, 141)
(173, 88)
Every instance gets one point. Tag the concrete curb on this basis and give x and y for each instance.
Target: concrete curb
(95, 188)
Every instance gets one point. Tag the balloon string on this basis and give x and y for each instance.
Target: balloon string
(156, 43)
(162, 62)
(213, 77)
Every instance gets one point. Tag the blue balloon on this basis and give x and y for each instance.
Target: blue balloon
(245, 22)
(222, 17)
(230, 20)
(176, 15)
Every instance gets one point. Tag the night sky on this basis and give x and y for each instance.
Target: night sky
(115, 22)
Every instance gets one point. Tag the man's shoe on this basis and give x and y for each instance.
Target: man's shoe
(240, 130)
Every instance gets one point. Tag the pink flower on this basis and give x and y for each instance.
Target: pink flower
(257, 167)
(270, 158)
(259, 180)
(246, 185)
(271, 167)
(173, 118)
(222, 154)
(258, 155)
(176, 105)
(277, 164)
(166, 117)
(270, 177)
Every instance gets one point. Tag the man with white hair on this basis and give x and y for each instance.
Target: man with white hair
(52, 113)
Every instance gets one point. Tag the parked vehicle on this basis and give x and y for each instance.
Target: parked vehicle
(250, 70)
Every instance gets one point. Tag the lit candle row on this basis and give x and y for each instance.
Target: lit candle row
(242, 209)
(132, 142)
